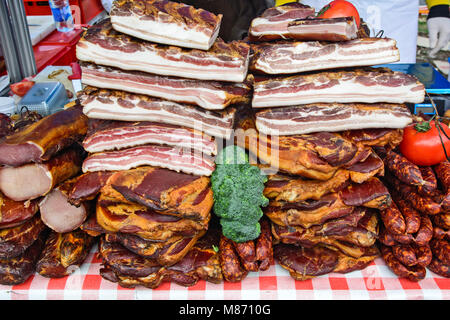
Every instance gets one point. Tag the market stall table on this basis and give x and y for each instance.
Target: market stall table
(376, 282)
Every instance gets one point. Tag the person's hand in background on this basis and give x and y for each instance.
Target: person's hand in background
(438, 25)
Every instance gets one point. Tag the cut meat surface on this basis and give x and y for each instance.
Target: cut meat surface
(32, 181)
(101, 44)
(109, 135)
(303, 119)
(119, 105)
(58, 214)
(166, 22)
(273, 23)
(211, 95)
(176, 159)
(364, 85)
(295, 57)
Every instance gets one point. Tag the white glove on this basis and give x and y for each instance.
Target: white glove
(439, 33)
(107, 4)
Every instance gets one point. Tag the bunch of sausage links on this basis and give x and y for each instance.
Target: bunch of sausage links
(415, 233)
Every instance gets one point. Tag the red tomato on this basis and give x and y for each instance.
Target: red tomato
(422, 145)
(22, 87)
(339, 8)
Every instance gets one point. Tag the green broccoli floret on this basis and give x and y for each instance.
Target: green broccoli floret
(238, 194)
(239, 232)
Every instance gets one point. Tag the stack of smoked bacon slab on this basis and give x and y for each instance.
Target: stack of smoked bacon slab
(317, 110)
(160, 93)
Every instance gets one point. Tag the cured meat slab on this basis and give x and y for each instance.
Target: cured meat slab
(153, 187)
(306, 213)
(315, 156)
(359, 228)
(287, 188)
(211, 95)
(333, 29)
(18, 269)
(295, 57)
(375, 137)
(39, 141)
(120, 105)
(363, 85)
(14, 213)
(172, 158)
(273, 22)
(145, 222)
(14, 241)
(106, 135)
(101, 44)
(131, 270)
(166, 22)
(334, 117)
(164, 253)
(307, 263)
(63, 253)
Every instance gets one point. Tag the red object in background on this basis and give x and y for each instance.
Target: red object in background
(66, 39)
(76, 71)
(339, 8)
(89, 9)
(422, 145)
(57, 49)
(22, 87)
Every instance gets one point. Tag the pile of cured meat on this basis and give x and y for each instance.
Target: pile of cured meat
(313, 129)
(160, 96)
(128, 166)
(37, 162)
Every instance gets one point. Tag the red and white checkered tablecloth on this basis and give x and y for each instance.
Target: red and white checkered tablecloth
(374, 282)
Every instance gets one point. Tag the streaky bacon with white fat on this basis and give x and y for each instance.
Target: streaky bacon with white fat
(211, 95)
(116, 135)
(124, 106)
(166, 22)
(101, 44)
(331, 117)
(333, 29)
(363, 85)
(173, 158)
(294, 57)
(273, 22)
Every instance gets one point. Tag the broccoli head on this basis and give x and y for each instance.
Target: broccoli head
(238, 232)
(238, 194)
